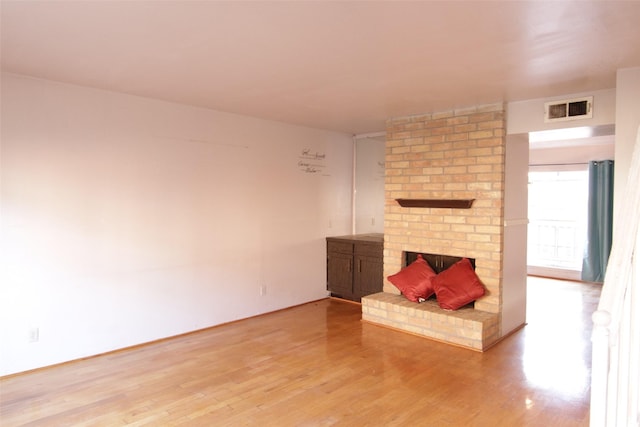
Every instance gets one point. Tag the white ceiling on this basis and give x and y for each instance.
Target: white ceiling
(345, 66)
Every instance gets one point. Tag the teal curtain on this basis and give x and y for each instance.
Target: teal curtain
(599, 221)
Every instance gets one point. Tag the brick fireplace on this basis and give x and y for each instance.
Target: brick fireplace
(457, 154)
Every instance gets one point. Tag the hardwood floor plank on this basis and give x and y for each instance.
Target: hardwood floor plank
(319, 365)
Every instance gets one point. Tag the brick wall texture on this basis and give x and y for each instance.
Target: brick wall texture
(455, 154)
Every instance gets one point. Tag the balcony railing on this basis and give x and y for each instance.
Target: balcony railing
(555, 244)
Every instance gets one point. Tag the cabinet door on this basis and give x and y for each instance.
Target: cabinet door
(367, 276)
(340, 274)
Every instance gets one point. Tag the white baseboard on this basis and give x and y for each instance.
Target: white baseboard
(556, 273)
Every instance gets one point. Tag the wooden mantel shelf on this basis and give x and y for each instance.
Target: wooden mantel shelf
(436, 203)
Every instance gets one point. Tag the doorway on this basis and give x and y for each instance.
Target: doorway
(558, 188)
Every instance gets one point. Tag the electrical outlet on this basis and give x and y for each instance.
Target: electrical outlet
(263, 289)
(34, 334)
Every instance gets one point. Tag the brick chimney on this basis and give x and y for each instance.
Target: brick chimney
(457, 154)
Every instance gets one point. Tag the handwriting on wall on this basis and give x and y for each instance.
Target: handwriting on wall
(310, 161)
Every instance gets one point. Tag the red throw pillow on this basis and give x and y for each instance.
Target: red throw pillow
(457, 286)
(414, 281)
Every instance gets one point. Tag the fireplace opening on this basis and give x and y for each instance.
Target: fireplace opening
(437, 262)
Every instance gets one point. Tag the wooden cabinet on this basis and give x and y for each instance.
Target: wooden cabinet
(354, 265)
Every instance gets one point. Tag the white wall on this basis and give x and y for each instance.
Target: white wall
(126, 219)
(528, 116)
(627, 123)
(369, 185)
(570, 154)
(514, 280)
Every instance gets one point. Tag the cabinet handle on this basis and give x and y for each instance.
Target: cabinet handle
(359, 266)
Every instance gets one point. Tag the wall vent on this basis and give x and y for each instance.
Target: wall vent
(570, 109)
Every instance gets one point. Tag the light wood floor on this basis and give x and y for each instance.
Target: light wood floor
(318, 365)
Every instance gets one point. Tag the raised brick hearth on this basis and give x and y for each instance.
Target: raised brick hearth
(466, 327)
